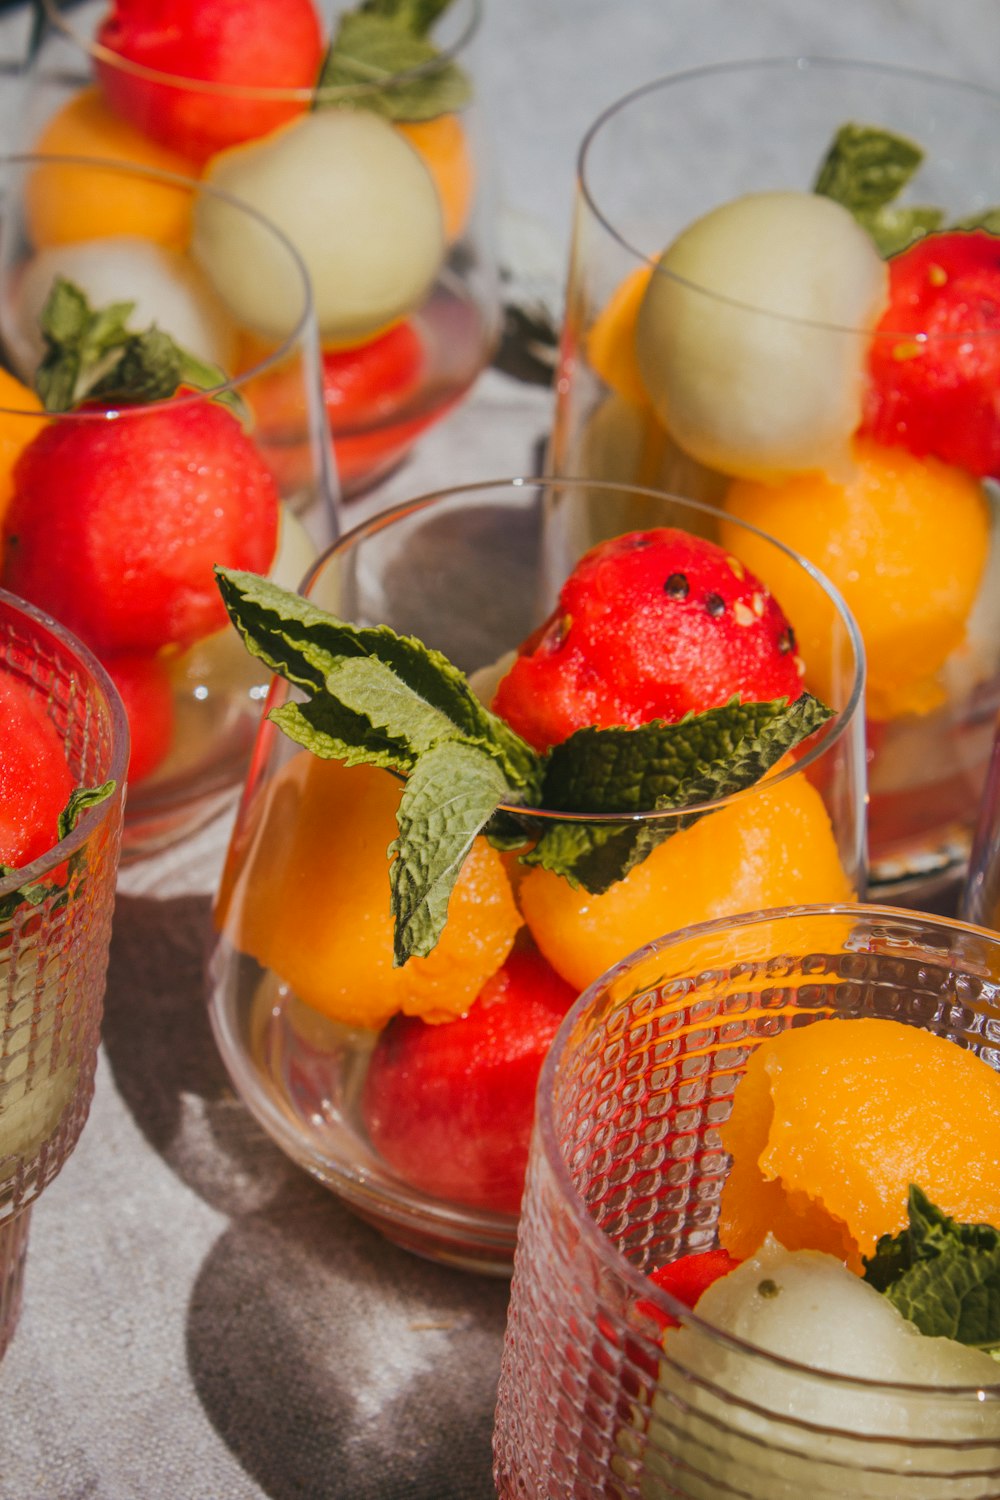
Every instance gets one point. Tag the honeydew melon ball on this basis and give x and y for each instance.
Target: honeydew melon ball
(168, 289)
(751, 341)
(774, 1432)
(357, 202)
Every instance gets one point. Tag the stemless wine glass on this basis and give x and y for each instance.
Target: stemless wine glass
(118, 510)
(624, 1176)
(401, 254)
(472, 572)
(55, 926)
(776, 375)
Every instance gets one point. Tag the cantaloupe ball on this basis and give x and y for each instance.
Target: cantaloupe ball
(168, 290)
(355, 199)
(444, 146)
(310, 899)
(751, 338)
(831, 1124)
(774, 847)
(904, 539)
(66, 201)
(21, 419)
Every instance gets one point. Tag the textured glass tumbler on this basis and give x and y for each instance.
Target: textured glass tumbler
(660, 160)
(981, 894)
(624, 1176)
(55, 925)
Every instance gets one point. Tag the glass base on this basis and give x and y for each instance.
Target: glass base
(13, 1252)
(301, 1077)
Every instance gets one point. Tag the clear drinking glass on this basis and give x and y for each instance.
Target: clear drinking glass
(408, 310)
(624, 1176)
(55, 926)
(981, 893)
(472, 572)
(652, 165)
(240, 469)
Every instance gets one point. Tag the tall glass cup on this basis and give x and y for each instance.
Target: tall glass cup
(767, 376)
(472, 572)
(624, 1177)
(401, 253)
(55, 926)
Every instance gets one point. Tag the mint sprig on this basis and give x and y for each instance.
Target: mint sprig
(384, 48)
(942, 1275)
(375, 697)
(35, 893)
(865, 170)
(92, 353)
(658, 766)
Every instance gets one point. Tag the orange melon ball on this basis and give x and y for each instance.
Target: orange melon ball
(611, 339)
(903, 539)
(21, 418)
(831, 1124)
(310, 899)
(65, 203)
(774, 847)
(444, 146)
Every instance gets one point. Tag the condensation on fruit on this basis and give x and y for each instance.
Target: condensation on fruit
(168, 289)
(729, 1416)
(357, 202)
(751, 339)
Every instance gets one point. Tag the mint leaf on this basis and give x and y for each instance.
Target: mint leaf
(942, 1275)
(657, 766)
(91, 354)
(415, 16)
(408, 694)
(866, 167)
(37, 892)
(80, 800)
(447, 800)
(404, 75)
(895, 229)
(987, 218)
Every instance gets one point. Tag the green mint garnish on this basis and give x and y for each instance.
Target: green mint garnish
(661, 766)
(376, 697)
(378, 46)
(865, 170)
(943, 1276)
(92, 354)
(33, 895)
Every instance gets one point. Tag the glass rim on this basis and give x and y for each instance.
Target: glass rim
(88, 664)
(298, 335)
(602, 1244)
(345, 93)
(825, 737)
(786, 64)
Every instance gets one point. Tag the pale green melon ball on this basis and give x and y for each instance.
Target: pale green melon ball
(751, 337)
(356, 201)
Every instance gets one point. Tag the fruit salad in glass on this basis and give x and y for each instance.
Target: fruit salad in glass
(357, 133)
(783, 299)
(494, 762)
(150, 428)
(760, 1244)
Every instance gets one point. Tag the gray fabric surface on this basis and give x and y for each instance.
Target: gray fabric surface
(201, 1321)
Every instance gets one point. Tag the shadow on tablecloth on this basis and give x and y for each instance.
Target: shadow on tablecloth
(333, 1365)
